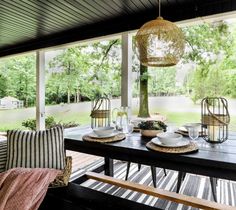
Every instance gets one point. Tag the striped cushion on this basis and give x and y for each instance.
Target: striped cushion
(36, 149)
(3, 155)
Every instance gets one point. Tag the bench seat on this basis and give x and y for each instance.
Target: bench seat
(76, 197)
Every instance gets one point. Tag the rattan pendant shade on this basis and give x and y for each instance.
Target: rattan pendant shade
(160, 43)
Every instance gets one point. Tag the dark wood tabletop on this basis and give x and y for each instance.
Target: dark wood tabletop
(214, 160)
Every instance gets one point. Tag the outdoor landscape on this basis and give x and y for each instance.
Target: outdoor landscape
(79, 74)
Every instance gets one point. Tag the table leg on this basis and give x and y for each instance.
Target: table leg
(127, 170)
(154, 176)
(139, 166)
(108, 167)
(213, 182)
(180, 179)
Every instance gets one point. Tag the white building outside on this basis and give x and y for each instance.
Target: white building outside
(9, 102)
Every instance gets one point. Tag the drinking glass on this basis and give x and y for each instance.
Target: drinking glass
(193, 132)
(171, 127)
(130, 128)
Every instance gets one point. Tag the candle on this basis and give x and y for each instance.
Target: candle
(213, 133)
(100, 122)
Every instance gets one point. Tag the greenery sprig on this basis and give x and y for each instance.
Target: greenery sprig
(152, 125)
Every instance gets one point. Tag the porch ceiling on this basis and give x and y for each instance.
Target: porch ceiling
(33, 24)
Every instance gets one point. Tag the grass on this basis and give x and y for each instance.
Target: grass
(10, 126)
(180, 118)
(82, 118)
(177, 118)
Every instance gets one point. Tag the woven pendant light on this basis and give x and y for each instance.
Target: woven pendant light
(160, 43)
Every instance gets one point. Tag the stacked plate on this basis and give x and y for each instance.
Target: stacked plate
(94, 135)
(103, 132)
(170, 140)
(184, 129)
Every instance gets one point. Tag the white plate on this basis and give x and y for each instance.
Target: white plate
(94, 135)
(181, 143)
(183, 129)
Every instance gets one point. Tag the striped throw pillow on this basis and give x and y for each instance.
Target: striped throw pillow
(36, 149)
(3, 155)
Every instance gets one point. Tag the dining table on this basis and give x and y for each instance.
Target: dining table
(213, 160)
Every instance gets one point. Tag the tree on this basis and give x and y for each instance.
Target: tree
(3, 85)
(21, 78)
(210, 48)
(143, 95)
(162, 81)
(88, 71)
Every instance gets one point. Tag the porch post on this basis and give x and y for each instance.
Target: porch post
(126, 71)
(40, 90)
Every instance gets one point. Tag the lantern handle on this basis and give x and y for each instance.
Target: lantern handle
(215, 117)
(226, 108)
(96, 106)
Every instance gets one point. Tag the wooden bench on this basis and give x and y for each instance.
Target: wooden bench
(81, 198)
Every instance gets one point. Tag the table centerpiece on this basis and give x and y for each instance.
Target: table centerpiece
(151, 128)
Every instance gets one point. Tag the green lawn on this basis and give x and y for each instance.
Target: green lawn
(178, 118)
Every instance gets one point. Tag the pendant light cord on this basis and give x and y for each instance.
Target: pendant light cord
(159, 1)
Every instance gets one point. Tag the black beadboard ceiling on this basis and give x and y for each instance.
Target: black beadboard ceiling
(33, 24)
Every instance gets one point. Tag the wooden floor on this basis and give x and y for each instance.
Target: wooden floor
(80, 160)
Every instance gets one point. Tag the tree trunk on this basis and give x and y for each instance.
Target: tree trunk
(75, 97)
(57, 96)
(68, 96)
(78, 96)
(143, 93)
(26, 102)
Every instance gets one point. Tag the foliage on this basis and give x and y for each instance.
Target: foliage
(211, 49)
(31, 123)
(18, 78)
(152, 125)
(3, 86)
(163, 81)
(49, 123)
(87, 71)
(230, 86)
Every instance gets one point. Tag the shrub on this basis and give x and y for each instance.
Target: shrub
(49, 123)
(31, 123)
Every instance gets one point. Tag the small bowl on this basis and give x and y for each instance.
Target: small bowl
(169, 138)
(150, 133)
(103, 131)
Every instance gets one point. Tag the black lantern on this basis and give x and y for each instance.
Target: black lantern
(215, 119)
(101, 112)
